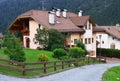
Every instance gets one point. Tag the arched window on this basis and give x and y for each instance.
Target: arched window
(112, 46)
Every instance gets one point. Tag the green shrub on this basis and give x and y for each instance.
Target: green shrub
(59, 53)
(78, 64)
(81, 45)
(13, 48)
(43, 57)
(56, 46)
(108, 52)
(76, 52)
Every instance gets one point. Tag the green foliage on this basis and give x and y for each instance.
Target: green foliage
(103, 12)
(41, 37)
(43, 57)
(81, 45)
(1, 43)
(56, 39)
(13, 48)
(76, 52)
(59, 53)
(112, 74)
(55, 46)
(108, 52)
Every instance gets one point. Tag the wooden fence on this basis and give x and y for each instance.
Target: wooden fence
(22, 66)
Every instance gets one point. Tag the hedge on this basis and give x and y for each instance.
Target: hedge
(108, 52)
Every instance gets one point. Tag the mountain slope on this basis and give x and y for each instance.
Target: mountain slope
(103, 12)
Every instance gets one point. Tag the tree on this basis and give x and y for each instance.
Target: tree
(56, 39)
(41, 37)
(13, 48)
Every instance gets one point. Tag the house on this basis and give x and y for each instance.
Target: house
(74, 26)
(108, 36)
(1, 36)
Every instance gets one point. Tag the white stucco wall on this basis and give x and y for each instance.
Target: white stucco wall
(32, 27)
(88, 34)
(115, 41)
(74, 36)
(108, 40)
(104, 38)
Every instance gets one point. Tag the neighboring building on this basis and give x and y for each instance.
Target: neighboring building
(75, 27)
(108, 36)
(1, 36)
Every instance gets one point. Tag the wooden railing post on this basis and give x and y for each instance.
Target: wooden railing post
(45, 67)
(24, 70)
(68, 63)
(88, 60)
(54, 66)
(62, 65)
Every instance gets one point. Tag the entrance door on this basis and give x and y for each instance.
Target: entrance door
(27, 42)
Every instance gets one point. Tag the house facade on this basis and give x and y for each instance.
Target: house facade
(108, 37)
(74, 26)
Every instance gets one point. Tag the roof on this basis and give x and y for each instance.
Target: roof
(65, 24)
(114, 31)
(81, 21)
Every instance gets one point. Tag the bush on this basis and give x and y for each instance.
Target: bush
(78, 64)
(56, 46)
(43, 57)
(108, 52)
(76, 52)
(81, 45)
(59, 53)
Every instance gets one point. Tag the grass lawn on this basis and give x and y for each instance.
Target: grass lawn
(31, 55)
(113, 74)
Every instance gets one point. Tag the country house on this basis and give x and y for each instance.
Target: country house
(74, 26)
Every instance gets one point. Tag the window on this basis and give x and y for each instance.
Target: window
(112, 46)
(89, 40)
(102, 42)
(39, 25)
(85, 40)
(89, 26)
(92, 40)
(86, 26)
(75, 41)
(81, 40)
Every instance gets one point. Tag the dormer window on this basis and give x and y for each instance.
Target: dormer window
(89, 26)
(58, 22)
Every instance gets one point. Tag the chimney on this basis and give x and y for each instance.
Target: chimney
(51, 17)
(58, 12)
(64, 13)
(117, 25)
(80, 13)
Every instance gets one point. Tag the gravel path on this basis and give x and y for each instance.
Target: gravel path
(85, 73)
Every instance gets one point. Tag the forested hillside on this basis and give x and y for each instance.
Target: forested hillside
(103, 12)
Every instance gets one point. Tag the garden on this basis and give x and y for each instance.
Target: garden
(14, 58)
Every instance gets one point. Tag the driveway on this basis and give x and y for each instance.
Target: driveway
(85, 73)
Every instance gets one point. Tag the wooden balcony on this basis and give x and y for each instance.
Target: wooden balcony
(25, 32)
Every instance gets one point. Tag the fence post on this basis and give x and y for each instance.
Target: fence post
(54, 66)
(45, 67)
(24, 70)
(62, 65)
(88, 60)
(68, 63)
